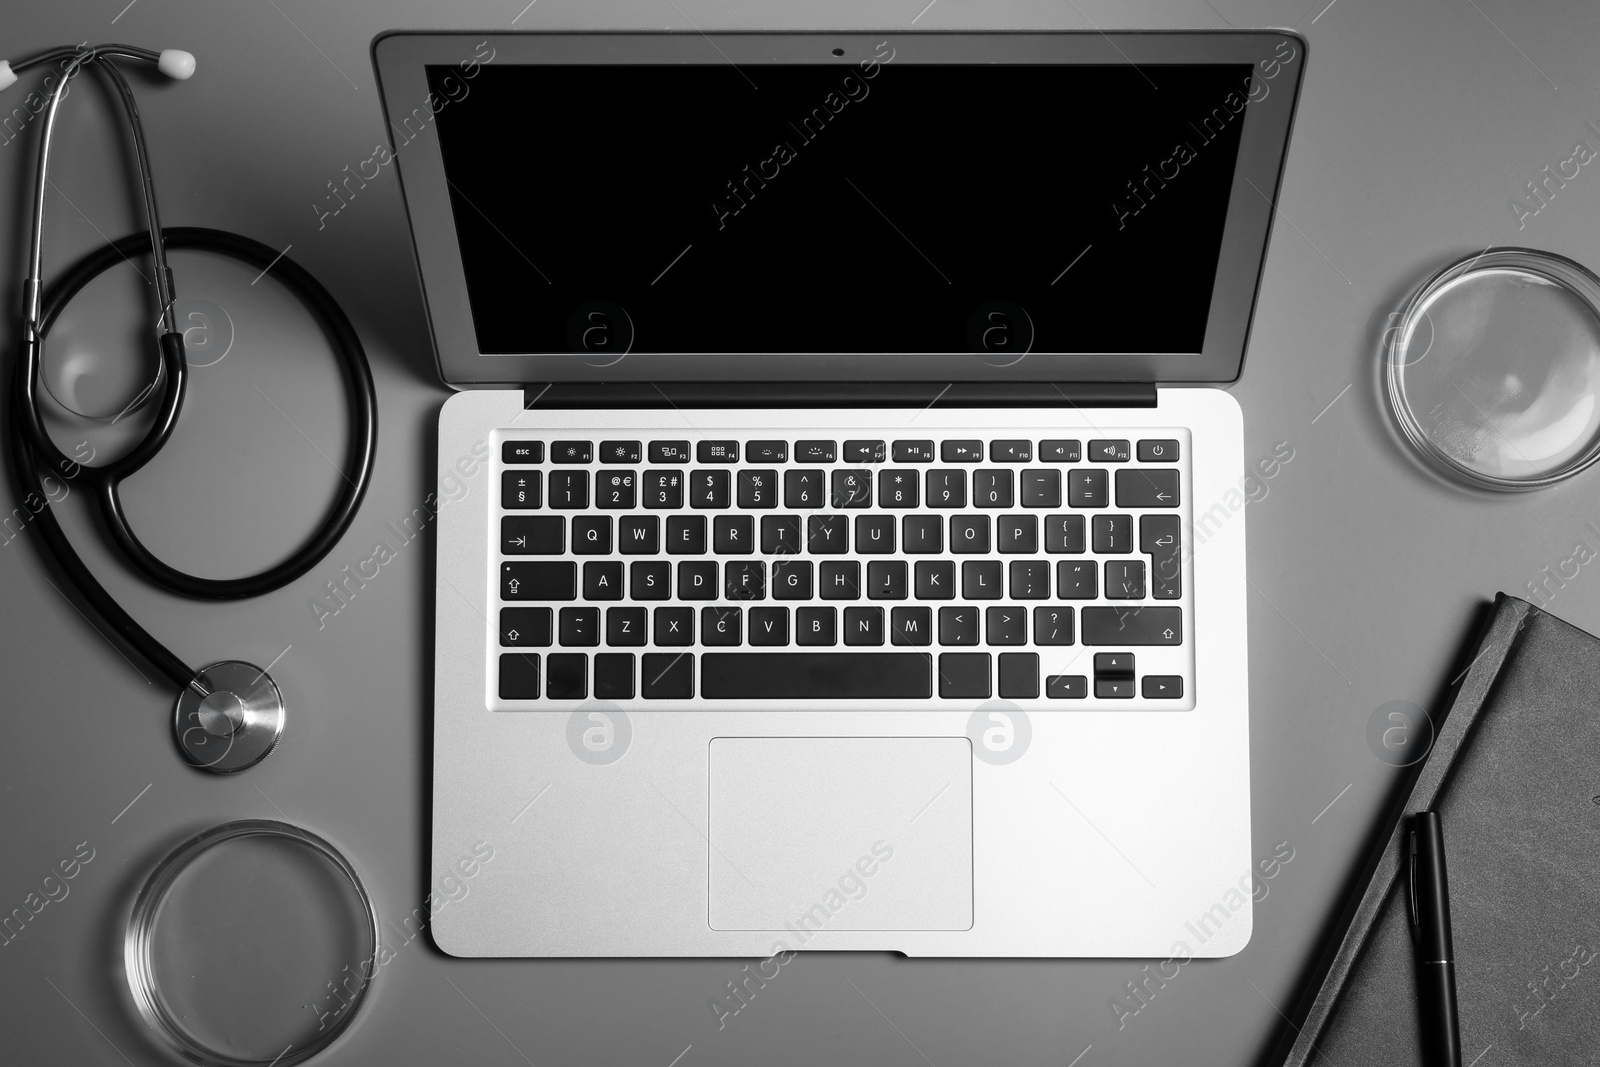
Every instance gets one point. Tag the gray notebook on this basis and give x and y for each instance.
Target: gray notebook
(1515, 774)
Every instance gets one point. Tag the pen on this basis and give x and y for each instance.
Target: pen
(1430, 929)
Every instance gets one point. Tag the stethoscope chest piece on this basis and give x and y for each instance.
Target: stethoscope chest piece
(229, 718)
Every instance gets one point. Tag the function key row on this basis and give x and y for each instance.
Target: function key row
(898, 489)
(1108, 450)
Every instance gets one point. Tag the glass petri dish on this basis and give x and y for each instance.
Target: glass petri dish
(1493, 372)
(251, 944)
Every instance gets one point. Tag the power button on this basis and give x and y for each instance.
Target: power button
(1158, 451)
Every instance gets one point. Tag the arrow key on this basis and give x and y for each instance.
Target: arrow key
(1162, 686)
(1147, 487)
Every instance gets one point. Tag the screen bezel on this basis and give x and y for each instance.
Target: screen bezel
(401, 59)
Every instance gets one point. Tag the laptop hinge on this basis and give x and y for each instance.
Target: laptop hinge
(839, 394)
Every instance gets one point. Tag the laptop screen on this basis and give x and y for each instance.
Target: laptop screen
(873, 208)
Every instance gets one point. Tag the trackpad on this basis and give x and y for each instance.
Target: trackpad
(841, 833)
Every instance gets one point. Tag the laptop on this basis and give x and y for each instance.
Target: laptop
(840, 541)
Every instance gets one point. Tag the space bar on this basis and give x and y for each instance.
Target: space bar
(815, 675)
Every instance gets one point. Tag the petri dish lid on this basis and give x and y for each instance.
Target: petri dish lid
(251, 944)
(1493, 371)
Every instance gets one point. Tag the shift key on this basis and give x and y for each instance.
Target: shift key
(538, 581)
(1131, 626)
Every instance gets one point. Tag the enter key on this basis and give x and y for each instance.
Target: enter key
(1159, 538)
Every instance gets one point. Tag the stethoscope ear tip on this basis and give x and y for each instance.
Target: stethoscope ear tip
(8, 77)
(176, 64)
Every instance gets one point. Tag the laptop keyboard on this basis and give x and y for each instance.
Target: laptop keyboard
(1048, 570)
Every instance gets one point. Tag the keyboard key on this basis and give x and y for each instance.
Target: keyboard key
(721, 625)
(964, 675)
(969, 534)
(620, 452)
(708, 489)
(991, 489)
(766, 451)
(1041, 489)
(758, 489)
(936, 579)
(863, 452)
(733, 535)
(922, 534)
(910, 626)
(1063, 533)
(851, 488)
(624, 627)
(716, 451)
(863, 626)
(780, 535)
(519, 676)
(1060, 451)
(580, 627)
(874, 535)
(1076, 580)
(1158, 452)
(1052, 626)
(912, 451)
(613, 676)
(958, 626)
(686, 535)
(897, 489)
(569, 490)
(980, 579)
(961, 451)
(520, 489)
(886, 579)
(1066, 687)
(1030, 579)
(769, 626)
(615, 490)
(802, 489)
(814, 451)
(1108, 451)
(538, 581)
(697, 580)
(1149, 487)
(1159, 538)
(815, 626)
(1087, 489)
(666, 676)
(674, 626)
(536, 535)
(522, 452)
(1124, 579)
(1019, 675)
(1112, 534)
(1113, 688)
(1017, 533)
(839, 579)
(669, 451)
(650, 580)
(1006, 626)
(525, 627)
(663, 489)
(1132, 626)
(639, 535)
(1161, 686)
(602, 579)
(827, 535)
(571, 452)
(746, 579)
(947, 489)
(1113, 664)
(816, 675)
(591, 535)
(791, 579)
(1010, 451)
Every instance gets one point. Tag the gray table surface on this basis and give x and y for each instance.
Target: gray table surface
(1418, 123)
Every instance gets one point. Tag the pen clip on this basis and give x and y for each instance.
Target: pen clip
(1411, 889)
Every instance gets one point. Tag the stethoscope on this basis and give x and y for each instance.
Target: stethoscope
(229, 714)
